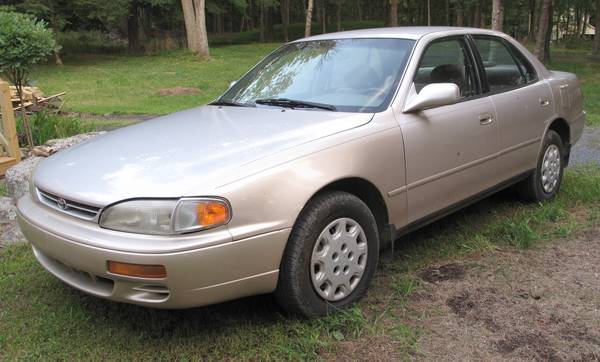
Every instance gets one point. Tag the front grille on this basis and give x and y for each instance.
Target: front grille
(72, 208)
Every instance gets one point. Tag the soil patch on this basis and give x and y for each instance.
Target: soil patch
(538, 304)
(178, 91)
(442, 273)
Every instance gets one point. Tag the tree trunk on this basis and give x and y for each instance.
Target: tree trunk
(394, 13)
(285, 19)
(530, 20)
(308, 24)
(477, 14)
(194, 16)
(189, 18)
(596, 45)
(428, 12)
(324, 15)
(460, 14)
(134, 40)
(543, 29)
(262, 24)
(200, 12)
(338, 15)
(268, 24)
(497, 15)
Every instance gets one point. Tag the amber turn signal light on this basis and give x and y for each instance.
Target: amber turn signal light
(212, 213)
(137, 270)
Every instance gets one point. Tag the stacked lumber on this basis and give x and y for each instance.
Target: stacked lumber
(32, 98)
(28, 93)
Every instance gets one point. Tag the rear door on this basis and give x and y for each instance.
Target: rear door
(449, 149)
(521, 99)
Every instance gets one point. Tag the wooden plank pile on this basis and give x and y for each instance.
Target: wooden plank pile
(34, 100)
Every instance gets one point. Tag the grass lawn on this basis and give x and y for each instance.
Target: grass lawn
(40, 318)
(587, 68)
(122, 84)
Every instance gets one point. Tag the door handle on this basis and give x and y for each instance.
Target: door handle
(485, 119)
(544, 102)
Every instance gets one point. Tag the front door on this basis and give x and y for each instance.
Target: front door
(450, 149)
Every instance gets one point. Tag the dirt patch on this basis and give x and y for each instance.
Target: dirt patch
(538, 304)
(443, 273)
(178, 91)
(530, 345)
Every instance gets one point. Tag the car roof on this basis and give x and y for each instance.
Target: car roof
(405, 32)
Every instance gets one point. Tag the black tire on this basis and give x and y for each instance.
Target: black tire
(295, 291)
(531, 189)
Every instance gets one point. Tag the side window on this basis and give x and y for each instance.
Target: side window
(526, 67)
(502, 71)
(447, 61)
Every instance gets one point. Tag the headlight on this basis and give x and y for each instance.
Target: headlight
(166, 217)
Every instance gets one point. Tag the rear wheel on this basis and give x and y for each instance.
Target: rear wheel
(331, 256)
(545, 181)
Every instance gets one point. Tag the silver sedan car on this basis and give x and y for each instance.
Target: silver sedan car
(311, 163)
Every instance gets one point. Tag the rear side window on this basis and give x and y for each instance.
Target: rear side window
(526, 67)
(503, 70)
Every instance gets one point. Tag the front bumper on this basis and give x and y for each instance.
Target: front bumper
(72, 251)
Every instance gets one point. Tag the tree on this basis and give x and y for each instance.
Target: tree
(309, 11)
(285, 19)
(542, 39)
(338, 15)
(497, 15)
(394, 13)
(477, 14)
(24, 41)
(596, 46)
(194, 15)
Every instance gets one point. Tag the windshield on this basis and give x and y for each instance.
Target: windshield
(351, 75)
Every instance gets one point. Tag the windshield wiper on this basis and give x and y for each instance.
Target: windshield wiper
(224, 102)
(292, 103)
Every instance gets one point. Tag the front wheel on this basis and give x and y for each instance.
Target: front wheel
(545, 181)
(331, 256)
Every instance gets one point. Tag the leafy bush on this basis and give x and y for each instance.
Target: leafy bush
(24, 41)
(46, 126)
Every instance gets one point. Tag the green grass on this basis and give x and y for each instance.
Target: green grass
(2, 188)
(46, 126)
(587, 68)
(42, 318)
(123, 84)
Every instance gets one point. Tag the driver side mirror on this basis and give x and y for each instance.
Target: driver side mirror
(232, 83)
(434, 95)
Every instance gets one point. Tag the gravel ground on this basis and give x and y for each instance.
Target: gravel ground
(587, 149)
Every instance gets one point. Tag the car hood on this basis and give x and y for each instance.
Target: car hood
(180, 154)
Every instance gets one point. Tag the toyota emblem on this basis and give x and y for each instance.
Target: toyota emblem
(62, 204)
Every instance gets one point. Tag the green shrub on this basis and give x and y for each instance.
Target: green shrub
(46, 126)
(24, 41)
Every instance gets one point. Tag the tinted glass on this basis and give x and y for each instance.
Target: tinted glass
(447, 61)
(354, 75)
(501, 69)
(526, 67)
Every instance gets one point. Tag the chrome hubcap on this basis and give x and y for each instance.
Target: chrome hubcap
(339, 259)
(550, 168)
